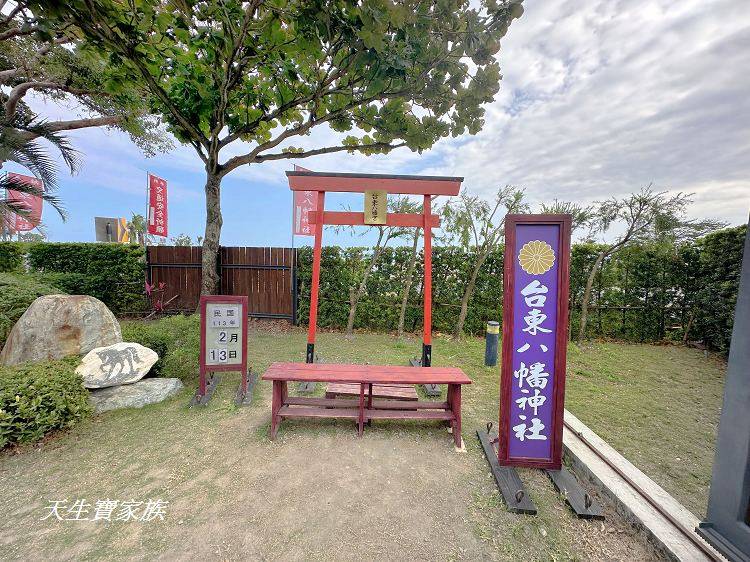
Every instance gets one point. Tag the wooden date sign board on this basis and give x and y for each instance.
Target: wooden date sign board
(223, 340)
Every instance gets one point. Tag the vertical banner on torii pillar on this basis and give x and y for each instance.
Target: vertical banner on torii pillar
(535, 335)
(304, 203)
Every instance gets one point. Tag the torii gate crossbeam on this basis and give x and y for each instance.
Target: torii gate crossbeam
(427, 186)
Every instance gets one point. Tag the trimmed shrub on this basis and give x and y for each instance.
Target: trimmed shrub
(178, 336)
(151, 337)
(11, 256)
(113, 273)
(17, 292)
(38, 398)
(720, 267)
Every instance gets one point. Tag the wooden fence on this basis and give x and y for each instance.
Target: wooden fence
(268, 277)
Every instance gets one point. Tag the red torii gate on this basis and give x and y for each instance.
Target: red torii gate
(427, 186)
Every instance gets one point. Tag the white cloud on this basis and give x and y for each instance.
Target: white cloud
(599, 98)
(615, 95)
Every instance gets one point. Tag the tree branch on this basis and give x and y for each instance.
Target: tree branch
(20, 91)
(284, 155)
(73, 124)
(119, 44)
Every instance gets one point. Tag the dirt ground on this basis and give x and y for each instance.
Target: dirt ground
(317, 493)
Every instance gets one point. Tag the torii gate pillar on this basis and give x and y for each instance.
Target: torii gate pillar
(322, 182)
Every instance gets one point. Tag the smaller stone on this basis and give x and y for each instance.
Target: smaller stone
(136, 395)
(121, 363)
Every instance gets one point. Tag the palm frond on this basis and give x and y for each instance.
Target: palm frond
(8, 204)
(40, 129)
(20, 143)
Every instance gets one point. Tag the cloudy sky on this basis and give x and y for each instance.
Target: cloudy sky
(599, 98)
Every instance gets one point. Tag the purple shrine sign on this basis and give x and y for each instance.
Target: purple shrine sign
(535, 336)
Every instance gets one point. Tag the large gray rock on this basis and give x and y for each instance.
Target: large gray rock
(121, 363)
(136, 395)
(55, 326)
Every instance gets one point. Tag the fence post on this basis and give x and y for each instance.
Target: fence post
(148, 265)
(219, 270)
(294, 287)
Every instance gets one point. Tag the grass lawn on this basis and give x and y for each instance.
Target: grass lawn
(319, 492)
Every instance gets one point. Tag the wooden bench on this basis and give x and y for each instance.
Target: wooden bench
(366, 408)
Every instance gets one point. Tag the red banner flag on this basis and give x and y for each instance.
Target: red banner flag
(304, 203)
(32, 203)
(157, 206)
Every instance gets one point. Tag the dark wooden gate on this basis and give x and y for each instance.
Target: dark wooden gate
(267, 276)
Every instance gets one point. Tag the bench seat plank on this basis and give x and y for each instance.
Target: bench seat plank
(316, 412)
(396, 391)
(409, 415)
(376, 404)
(367, 374)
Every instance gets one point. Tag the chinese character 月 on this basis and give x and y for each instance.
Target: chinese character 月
(534, 430)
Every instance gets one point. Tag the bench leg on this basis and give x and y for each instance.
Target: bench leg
(278, 395)
(454, 400)
(369, 403)
(361, 424)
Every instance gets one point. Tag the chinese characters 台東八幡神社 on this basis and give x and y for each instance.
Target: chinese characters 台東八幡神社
(532, 379)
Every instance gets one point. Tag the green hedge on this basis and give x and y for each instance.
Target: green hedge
(645, 293)
(113, 273)
(156, 339)
(38, 398)
(17, 292)
(719, 261)
(342, 268)
(11, 256)
(176, 339)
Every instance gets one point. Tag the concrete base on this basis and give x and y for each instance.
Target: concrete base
(627, 500)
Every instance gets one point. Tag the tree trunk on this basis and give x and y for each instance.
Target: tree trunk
(355, 296)
(687, 328)
(210, 275)
(587, 295)
(468, 292)
(408, 281)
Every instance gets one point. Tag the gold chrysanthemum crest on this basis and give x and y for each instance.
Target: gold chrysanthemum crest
(536, 257)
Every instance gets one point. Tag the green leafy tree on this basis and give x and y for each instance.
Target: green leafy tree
(386, 234)
(46, 58)
(477, 226)
(139, 230)
(182, 240)
(223, 73)
(645, 216)
(580, 215)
